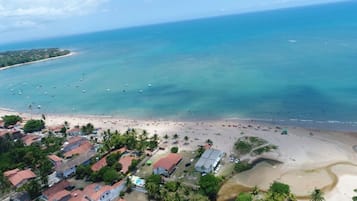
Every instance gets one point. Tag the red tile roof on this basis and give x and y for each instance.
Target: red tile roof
(103, 162)
(126, 162)
(55, 129)
(95, 191)
(55, 189)
(75, 139)
(60, 195)
(29, 139)
(83, 148)
(78, 195)
(168, 162)
(11, 172)
(17, 177)
(99, 164)
(55, 158)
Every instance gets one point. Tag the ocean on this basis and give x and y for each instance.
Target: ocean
(294, 65)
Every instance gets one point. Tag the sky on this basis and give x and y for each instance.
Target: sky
(22, 20)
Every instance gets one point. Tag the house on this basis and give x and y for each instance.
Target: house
(20, 196)
(13, 133)
(103, 161)
(166, 165)
(209, 161)
(57, 192)
(98, 192)
(68, 168)
(73, 143)
(19, 177)
(77, 195)
(125, 161)
(84, 147)
(30, 139)
(55, 160)
(76, 131)
(56, 129)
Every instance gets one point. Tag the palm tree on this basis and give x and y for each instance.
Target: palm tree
(317, 195)
(175, 136)
(166, 136)
(186, 138)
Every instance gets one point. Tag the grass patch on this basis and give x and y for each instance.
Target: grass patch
(264, 149)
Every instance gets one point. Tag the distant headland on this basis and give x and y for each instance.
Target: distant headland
(20, 57)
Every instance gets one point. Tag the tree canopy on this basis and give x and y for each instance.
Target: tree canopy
(34, 125)
(10, 58)
(10, 120)
(209, 186)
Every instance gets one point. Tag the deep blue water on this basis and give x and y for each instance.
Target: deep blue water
(289, 64)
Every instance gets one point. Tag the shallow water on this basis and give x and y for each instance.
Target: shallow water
(294, 64)
(301, 182)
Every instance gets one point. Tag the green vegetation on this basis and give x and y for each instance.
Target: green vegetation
(243, 147)
(107, 174)
(253, 145)
(133, 165)
(112, 159)
(34, 125)
(174, 149)
(171, 190)
(83, 171)
(10, 58)
(244, 197)
(317, 195)
(242, 166)
(33, 188)
(110, 176)
(209, 186)
(264, 149)
(13, 154)
(277, 192)
(87, 129)
(131, 139)
(10, 120)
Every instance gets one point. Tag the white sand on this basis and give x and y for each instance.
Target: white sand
(299, 150)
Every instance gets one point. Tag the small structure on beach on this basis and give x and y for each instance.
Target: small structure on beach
(166, 165)
(209, 161)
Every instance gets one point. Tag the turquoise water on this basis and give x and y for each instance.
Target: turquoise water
(287, 64)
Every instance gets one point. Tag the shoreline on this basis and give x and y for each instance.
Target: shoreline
(38, 61)
(313, 125)
(300, 150)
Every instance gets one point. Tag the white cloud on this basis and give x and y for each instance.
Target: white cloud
(47, 8)
(27, 14)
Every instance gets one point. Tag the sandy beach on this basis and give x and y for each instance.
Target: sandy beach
(38, 61)
(310, 158)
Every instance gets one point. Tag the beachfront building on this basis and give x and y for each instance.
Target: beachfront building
(68, 168)
(19, 177)
(209, 161)
(76, 131)
(73, 143)
(30, 139)
(167, 165)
